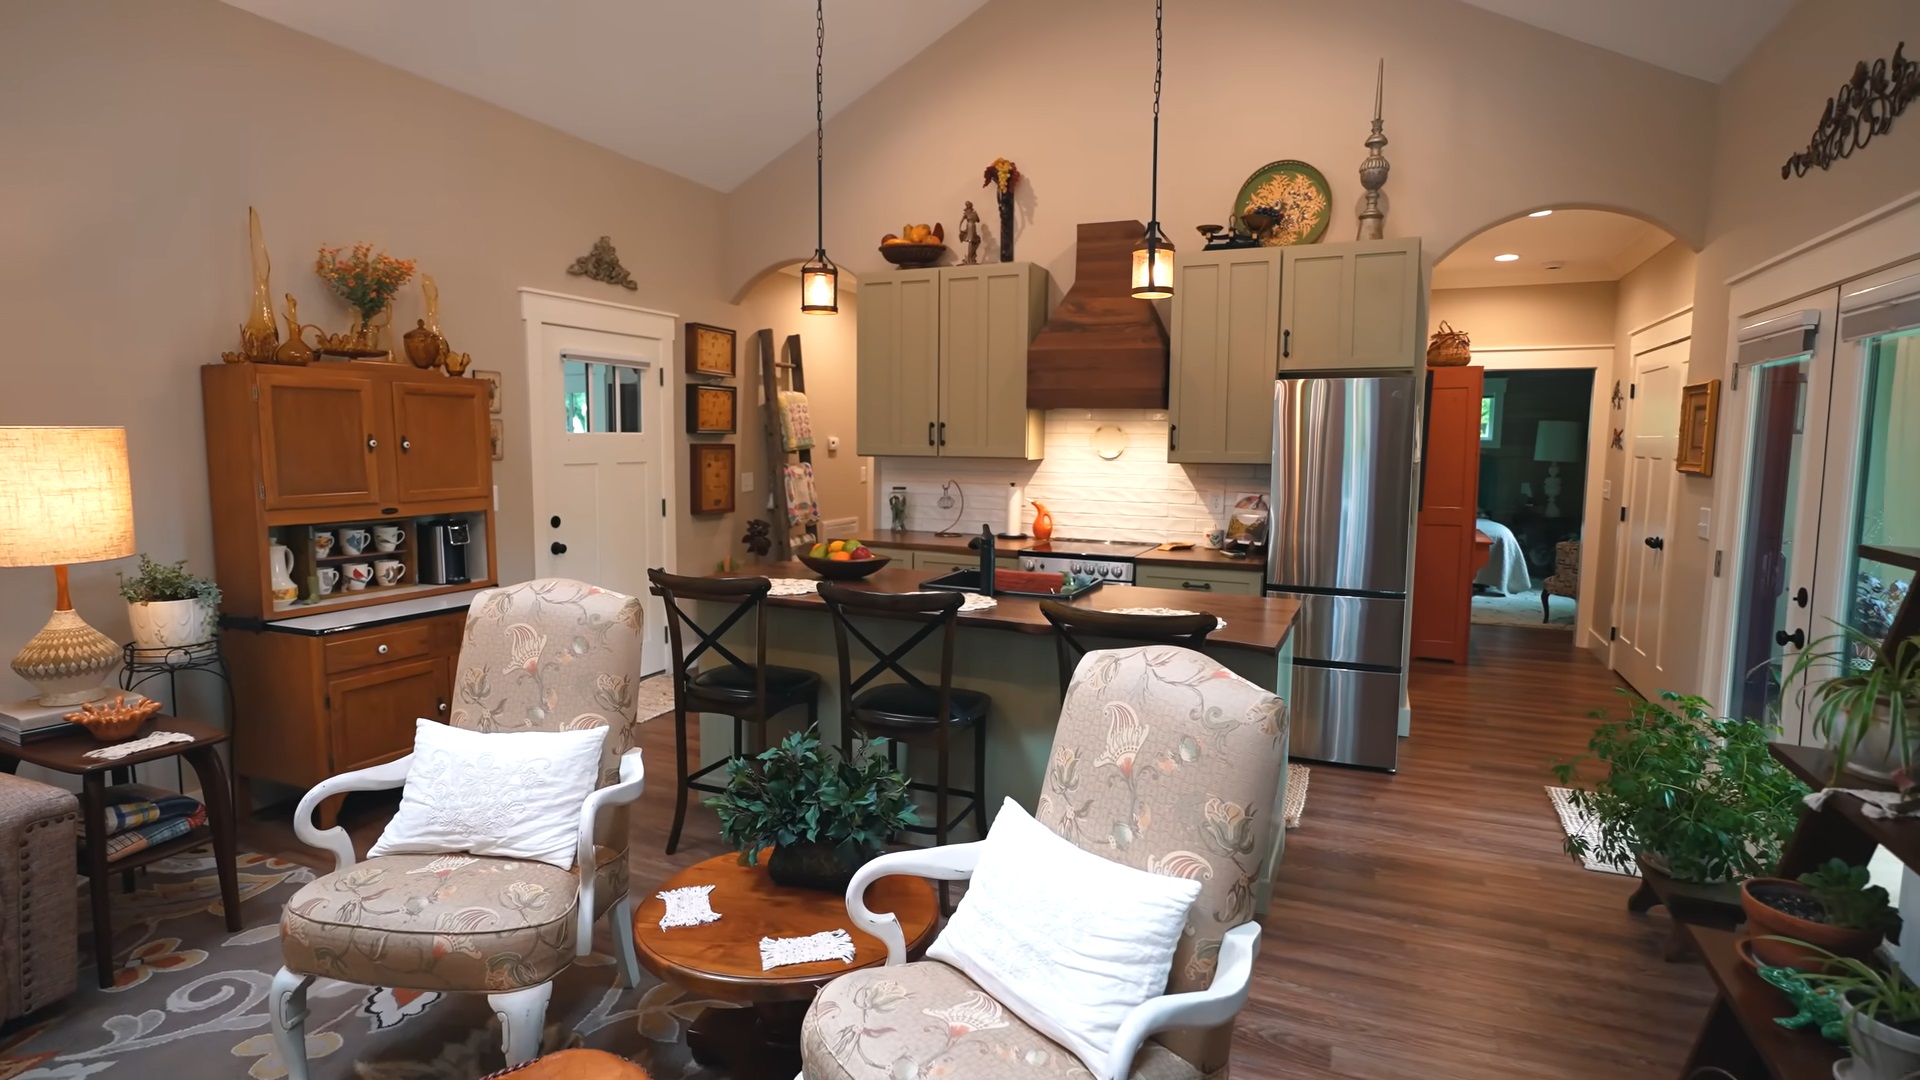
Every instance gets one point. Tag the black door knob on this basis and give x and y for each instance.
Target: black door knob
(1656, 543)
(558, 548)
(1797, 639)
(554, 521)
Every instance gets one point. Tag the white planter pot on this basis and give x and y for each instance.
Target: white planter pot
(1881, 1052)
(1876, 757)
(171, 624)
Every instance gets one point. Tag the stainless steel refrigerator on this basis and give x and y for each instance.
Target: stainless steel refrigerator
(1340, 542)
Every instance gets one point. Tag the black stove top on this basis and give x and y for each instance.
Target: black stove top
(1091, 549)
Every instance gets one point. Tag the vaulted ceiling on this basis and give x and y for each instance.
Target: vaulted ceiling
(715, 89)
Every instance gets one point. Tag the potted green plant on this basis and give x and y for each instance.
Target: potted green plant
(1883, 1015)
(1836, 908)
(1697, 795)
(1864, 712)
(168, 606)
(822, 816)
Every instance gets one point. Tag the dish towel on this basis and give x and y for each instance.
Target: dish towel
(1874, 804)
(812, 949)
(802, 501)
(796, 420)
(687, 906)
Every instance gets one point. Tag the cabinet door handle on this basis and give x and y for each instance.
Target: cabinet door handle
(406, 444)
(371, 443)
(943, 433)
(929, 433)
(1286, 343)
(442, 703)
(382, 650)
(1198, 586)
(1173, 436)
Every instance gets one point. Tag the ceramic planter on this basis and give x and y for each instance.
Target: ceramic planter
(1877, 756)
(171, 624)
(811, 865)
(1880, 1052)
(1765, 921)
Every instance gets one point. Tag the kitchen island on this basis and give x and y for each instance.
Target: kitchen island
(1007, 652)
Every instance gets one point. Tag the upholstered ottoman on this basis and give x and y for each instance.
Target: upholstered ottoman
(39, 957)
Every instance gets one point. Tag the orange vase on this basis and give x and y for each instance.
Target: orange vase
(1042, 523)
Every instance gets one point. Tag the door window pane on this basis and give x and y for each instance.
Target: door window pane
(627, 381)
(600, 397)
(573, 391)
(1773, 463)
(601, 377)
(1887, 513)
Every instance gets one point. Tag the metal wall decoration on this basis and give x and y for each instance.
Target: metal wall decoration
(1619, 439)
(1373, 170)
(1619, 399)
(1865, 106)
(603, 264)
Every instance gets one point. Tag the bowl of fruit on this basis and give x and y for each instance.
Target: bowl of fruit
(914, 245)
(842, 560)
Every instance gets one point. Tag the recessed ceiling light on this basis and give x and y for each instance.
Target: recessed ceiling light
(1541, 213)
(1506, 258)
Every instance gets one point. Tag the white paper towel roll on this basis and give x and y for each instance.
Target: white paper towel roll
(1014, 503)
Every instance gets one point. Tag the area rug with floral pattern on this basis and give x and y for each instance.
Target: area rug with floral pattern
(190, 1000)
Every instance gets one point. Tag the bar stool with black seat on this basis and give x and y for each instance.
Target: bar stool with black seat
(911, 710)
(751, 693)
(1071, 624)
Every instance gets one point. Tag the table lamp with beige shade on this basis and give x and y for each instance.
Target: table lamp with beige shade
(65, 497)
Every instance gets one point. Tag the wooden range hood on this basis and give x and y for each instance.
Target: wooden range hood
(1101, 348)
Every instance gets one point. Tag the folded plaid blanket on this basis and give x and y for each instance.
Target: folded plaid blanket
(143, 837)
(139, 816)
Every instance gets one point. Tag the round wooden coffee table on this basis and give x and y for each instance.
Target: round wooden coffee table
(722, 959)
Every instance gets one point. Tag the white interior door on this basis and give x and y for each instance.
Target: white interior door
(1640, 653)
(601, 495)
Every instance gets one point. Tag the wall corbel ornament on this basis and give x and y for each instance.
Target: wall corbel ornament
(1865, 106)
(603, 264)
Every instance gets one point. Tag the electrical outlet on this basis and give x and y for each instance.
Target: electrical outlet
(1216, 503)
(1706, 523)
(746, 481)
(863, 474)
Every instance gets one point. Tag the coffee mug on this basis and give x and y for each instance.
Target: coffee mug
(322, 544)
(358, 575)
(387, 537)
(355, 541)
(389, 571)
(329, 578)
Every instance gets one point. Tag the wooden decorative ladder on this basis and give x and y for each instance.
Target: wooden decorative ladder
(790, 535)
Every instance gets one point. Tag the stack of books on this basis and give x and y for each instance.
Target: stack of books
(29, 721)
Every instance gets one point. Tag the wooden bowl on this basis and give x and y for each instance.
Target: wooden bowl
(845, 569)
(912, 255)
(112, 723)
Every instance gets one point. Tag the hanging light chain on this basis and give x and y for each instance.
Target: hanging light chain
(1157, 58)
(820, 125)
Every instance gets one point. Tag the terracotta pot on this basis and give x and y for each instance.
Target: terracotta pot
(1764, 920)
(810, 865)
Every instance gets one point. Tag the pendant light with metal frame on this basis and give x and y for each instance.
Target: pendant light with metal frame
(1153, 259)
(819, 278)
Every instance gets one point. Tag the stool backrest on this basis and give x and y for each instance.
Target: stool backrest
(1070, 624)
(747, 594)
(938, 611)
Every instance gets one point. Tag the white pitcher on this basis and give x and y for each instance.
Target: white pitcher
(281, 557)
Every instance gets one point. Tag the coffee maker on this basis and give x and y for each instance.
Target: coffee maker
(443, 551)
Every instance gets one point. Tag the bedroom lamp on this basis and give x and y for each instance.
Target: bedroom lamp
(1555, 441)
(65, 497)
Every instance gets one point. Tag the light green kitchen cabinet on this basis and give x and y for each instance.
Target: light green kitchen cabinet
(941, 560)
(897, 377)
(1224, 354)
(1351, 307)
(1200, 579)
(942, 364)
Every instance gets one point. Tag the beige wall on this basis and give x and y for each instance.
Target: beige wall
(1528, 316)
(137, 134)
(1487, 118)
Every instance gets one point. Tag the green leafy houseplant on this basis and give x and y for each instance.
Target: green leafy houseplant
(796, 793)
(1850, 898)
(1874, 684)
(1698, 792)
(159, 582)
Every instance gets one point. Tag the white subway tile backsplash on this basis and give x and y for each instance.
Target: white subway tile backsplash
(1138, 496)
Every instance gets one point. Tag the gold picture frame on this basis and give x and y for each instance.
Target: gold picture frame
(710, 351)
(712, 410)
(1699, 425)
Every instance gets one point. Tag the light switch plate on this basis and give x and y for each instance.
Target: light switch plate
(1606, 489)
(863, 474)
(1706, 523)
(746, 481)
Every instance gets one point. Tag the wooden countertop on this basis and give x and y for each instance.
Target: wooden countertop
(926, 541)
(1201, 557)
(1257, 623)
(957, 545)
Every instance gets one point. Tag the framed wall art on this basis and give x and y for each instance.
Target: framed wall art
(497, 437)
(712, 410)
(492, 379)
(710, 351)
(1699, 423)
(713, 477)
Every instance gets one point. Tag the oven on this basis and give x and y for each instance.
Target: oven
(1107, 561)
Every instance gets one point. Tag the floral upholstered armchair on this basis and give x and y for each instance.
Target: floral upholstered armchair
(547, 655)
(1162, 760)
(1566, 577)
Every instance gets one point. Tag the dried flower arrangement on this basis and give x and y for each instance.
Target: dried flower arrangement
(366, 280)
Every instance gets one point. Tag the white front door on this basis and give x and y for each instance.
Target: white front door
(597, 377)
(1640, 653)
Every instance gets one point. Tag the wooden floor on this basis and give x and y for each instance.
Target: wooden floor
(1425, 924)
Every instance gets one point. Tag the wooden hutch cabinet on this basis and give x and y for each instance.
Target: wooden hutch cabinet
(303, 465)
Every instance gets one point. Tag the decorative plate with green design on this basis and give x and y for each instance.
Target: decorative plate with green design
(1295, 188)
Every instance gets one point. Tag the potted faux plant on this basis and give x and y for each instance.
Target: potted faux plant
(168, 606)
(1835, 908)
(1883, 1016)
(822, 816)
(1865, 712)
(1697, 795)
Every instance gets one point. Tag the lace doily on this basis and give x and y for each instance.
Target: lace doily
(793, 586)
(687, 906)
(137, 746)
(826, 945)
(1159, 611)
(976, 602)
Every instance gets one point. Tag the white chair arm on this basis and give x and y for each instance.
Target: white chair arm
(626, 790)
(955, 862)
(390, 774)
(1215, 1005)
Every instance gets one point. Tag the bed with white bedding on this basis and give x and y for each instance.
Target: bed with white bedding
(1506, 569)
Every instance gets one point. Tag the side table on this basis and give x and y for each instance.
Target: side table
(67, 754)
(722, 959)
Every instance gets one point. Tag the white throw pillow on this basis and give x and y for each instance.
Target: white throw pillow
(1069, 941)
(514, 794)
